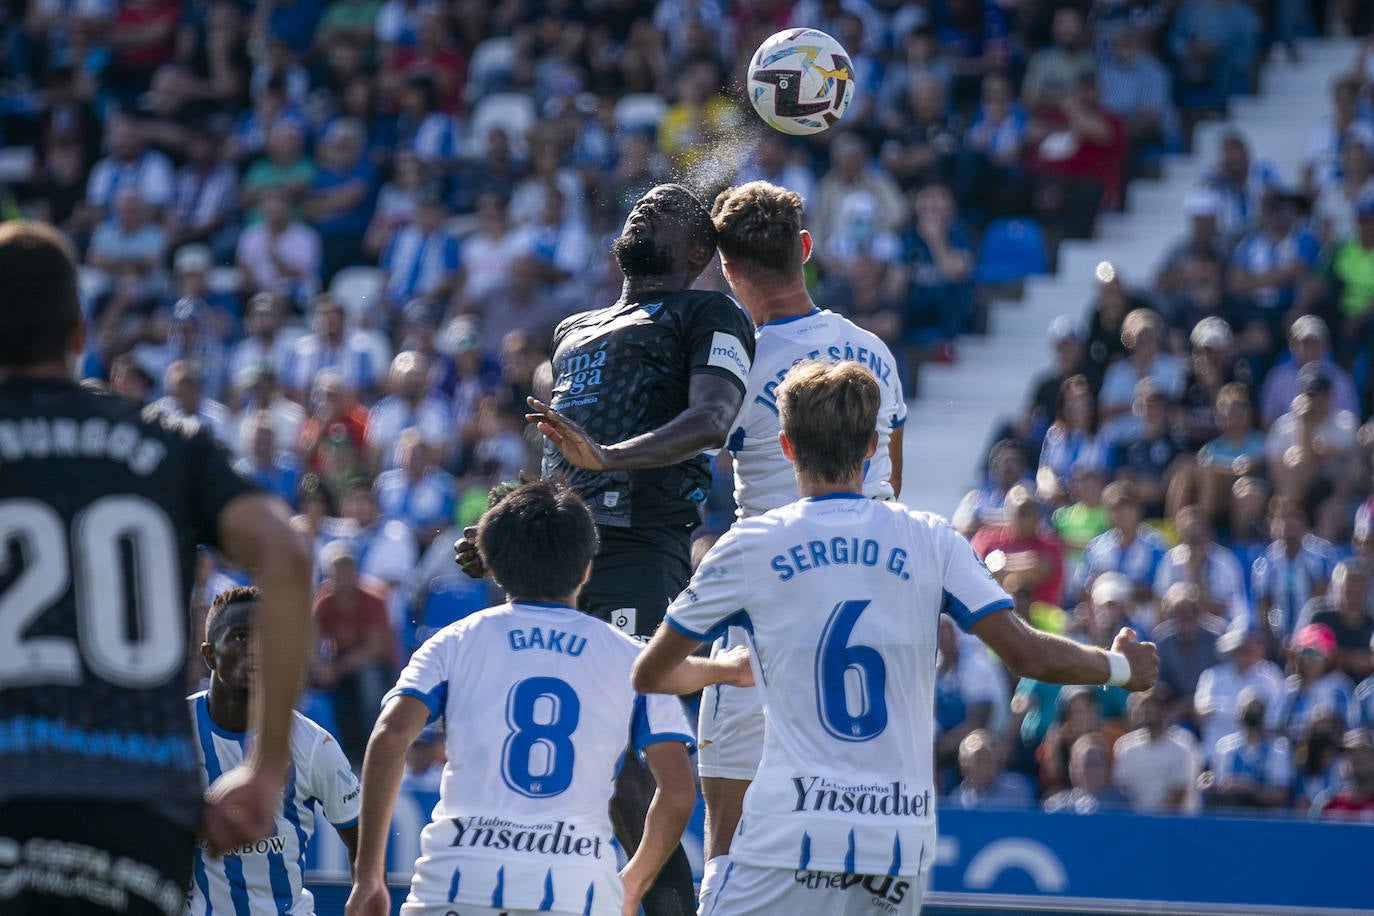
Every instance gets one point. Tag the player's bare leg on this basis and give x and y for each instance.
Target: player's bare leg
(724, 803)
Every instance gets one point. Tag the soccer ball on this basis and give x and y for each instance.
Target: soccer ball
(800, 81)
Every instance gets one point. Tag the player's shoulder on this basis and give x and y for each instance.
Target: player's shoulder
(708, 303)
(307, 737)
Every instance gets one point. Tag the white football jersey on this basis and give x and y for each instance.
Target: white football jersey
(265, 878)
(763, 476)
(841, 596)
(538, 712)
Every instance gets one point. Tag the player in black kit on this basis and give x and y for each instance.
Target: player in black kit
(101, 508)
(640, 390)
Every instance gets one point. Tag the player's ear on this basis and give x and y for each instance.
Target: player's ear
(786, 444)
(586, 574)
(207, 652)
(872, 446)
(808, 244)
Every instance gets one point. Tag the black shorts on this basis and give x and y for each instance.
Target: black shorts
(64, 857)
(636, 574)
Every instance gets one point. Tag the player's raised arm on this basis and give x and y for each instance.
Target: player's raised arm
(256, 534)
(1055, 660)
(713, 402)
(383, 767)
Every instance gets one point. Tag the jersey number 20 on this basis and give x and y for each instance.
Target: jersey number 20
(840, 665)
(94, 568)
(537, 758)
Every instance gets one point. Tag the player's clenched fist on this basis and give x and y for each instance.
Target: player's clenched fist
(1143, 658)
(239, 808)
(368, 898)
(466, 555)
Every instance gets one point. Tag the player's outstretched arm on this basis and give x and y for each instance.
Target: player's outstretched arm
(667, 665)
(1055, 660)
(383, 766)
(664, 822)
(712, 405)
(255, 533)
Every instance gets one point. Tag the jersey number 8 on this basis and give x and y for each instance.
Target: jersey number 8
(840, 666)
(537, 758)
(102, 535)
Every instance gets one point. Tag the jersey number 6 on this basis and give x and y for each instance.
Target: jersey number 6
(840, 665)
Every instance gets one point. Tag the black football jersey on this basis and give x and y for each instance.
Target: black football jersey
(625, 370)
(101, 508)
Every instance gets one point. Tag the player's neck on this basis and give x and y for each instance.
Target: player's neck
(777, 303)
(636, 287)
(809, 487)
(228, 708)
(565, 601)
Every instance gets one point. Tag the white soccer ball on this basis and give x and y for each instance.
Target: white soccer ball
(800, 81)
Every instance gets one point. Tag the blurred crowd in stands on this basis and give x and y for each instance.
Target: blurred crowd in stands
(340, 234)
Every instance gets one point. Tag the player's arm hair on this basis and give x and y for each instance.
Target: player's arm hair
(255, 533)
(668, 813)
(712, 404)
(384, 765)
(1041, 656)
(895, 449)
(667, 665)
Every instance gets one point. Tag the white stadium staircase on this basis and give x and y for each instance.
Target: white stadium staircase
(958, 406)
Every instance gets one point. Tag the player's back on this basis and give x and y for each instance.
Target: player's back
(538, 711)
(842, 597)
(101, 507)
(763, 476)
(267, 876)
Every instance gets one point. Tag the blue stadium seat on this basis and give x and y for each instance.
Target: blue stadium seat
(1011, 249)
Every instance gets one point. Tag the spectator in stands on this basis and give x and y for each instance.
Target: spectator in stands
(410, 405)
(417, 491)
(1345, 611)
(330, 345)
(1142, 334)
(339, 202)
(256, 392)
(264, 342)
(942, 261)
(185, 398)
(397, 202)
(1106, 321)
(559, 250)
(548, 172)
(1113, 604)
(1214, 44)
(191, 337)
(1353, 798)
(1293, 570)
(1076, 712)
(1336, 209)
(1147, 449)
(1052, 73)
(1315, 687)
(335, 414)
(1065, 337)
(357, 658)
(1240, 181)
(1251, 768)
(1322, 162)
(970, 694)
(1201, 561)
(698, 119)
(1129, 547)
(280, 255)
(1084, 517)
(991, 168)
(851, 172)
(1090, 777)
(925, 136)
(205, 197)
(130, 248)
(276, 470)
(986, 785)
(1136, 88)
(1072, 438)
(1157, 764)
(1186, 640)
(1307, 448)
(421, 257)
(1202, 205)
(385, 548)
(1077, 153)
(1022, 548)
(191, 267)
(1219, 687)
(1213, 366)
(1268, 264)
(488, 255)
(1352, 274)
(129, 165)
(285, 169)
(1316, 760)
(987, 504)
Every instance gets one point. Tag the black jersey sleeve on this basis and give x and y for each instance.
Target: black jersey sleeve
(720, 338)
(215, 483)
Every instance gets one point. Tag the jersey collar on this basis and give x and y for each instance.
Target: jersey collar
(817, 499)
(789, 319)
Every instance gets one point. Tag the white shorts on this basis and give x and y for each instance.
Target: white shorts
(748, 890)
(730, 725)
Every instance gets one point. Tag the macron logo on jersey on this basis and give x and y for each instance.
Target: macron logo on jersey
(727, 352)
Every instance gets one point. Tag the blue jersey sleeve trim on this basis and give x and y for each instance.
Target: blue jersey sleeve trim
(898, 423)
(660, 737)
(685, 631)
(966, 618)
(434, 700)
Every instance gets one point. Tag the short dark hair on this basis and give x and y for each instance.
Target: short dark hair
(829, 413)
(240, 594)
(697, 216)
(537, 540)
(42, 306)
(759, 224)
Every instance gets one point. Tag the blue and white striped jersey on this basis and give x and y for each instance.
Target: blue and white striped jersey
(266, 878)
(538, 712)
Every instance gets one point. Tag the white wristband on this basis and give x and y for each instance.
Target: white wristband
(1120, 669)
